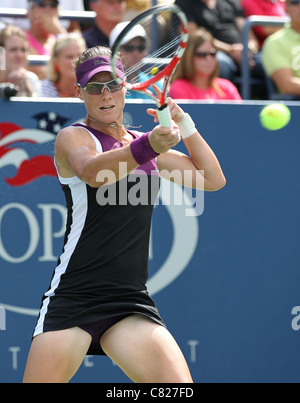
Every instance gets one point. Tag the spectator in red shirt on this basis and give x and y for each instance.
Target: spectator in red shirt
(270, 8)
(197, 74)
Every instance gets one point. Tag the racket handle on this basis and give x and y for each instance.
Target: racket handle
(164, 116)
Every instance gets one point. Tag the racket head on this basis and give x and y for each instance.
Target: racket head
(151, 47)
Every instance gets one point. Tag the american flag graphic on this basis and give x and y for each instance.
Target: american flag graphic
(24, 149)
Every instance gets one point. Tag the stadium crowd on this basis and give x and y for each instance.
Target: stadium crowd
(211, 68)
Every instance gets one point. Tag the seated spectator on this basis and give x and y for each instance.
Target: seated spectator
(281, 53)
(197, 74)
(15, 43)
(269, 8)
(61, 78)
(133, 52)
(44, 28)
(108, 14)
(224, 19)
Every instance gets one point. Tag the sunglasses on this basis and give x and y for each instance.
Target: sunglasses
(43, 4)
(132, 48)
(98, 88)
(204, 55)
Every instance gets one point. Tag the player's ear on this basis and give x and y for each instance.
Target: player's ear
(78, 93)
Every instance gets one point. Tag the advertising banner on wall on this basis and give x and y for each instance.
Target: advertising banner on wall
(224, 266)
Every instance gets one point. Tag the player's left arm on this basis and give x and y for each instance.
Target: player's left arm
(201, 168)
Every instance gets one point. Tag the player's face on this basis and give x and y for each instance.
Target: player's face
(108, 106)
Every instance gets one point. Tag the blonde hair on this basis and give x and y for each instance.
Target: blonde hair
(186, 68)
(61, 42)
(9, 31)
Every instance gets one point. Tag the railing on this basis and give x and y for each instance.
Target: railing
(250, 23)
(83, 16)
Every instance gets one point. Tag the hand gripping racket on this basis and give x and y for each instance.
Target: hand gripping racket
(151, 46)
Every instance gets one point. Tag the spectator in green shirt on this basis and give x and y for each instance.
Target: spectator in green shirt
(281, 53)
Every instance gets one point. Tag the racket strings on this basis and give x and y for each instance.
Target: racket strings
(159, 58)
(165, 42)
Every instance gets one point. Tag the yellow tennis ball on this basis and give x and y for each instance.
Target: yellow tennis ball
(275, 116)
(154, 71)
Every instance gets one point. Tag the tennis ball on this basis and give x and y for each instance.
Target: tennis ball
(154, 71)
(275, 116)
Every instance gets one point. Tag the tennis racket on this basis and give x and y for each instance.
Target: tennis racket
(151, 47)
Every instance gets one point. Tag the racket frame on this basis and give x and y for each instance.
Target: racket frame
(166, 73)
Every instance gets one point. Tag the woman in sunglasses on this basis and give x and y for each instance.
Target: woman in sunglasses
(97, 302)
(197, 74)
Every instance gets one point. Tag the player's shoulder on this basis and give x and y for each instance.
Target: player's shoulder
(72, 134)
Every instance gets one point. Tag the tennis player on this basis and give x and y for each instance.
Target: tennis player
(97, 301)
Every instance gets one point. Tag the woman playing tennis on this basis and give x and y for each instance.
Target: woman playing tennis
(97, 301)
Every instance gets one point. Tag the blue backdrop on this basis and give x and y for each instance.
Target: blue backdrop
(226, 279)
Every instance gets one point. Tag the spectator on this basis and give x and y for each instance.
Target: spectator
(281, 53)
(197, 74)
(15, 42)
(133, 51)
(65, 5)
(44, 28)
(61, 79)
(270, 8)
(108, 14)
(224, 19)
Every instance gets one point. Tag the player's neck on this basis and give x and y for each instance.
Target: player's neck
(113, 129)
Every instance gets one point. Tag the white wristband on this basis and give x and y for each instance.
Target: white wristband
(186, 126)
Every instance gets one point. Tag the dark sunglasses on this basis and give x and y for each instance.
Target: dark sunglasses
(294, 2)
(204, 55)
(98, 88)
(43, 4)
(132, 48)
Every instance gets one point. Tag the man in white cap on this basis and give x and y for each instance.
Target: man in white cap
(133, 49)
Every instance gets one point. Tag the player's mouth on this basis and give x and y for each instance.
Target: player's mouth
(107, 108)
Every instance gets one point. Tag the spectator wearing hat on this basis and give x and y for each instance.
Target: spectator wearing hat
(133, 51)
(108, 14)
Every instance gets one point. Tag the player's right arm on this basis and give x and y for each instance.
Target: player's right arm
(76, 155)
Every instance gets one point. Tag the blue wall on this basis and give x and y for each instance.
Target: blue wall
(226, 281)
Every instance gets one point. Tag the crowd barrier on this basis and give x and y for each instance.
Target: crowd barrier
(225, 276)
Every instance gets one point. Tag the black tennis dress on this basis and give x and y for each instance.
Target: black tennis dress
(103, 269)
